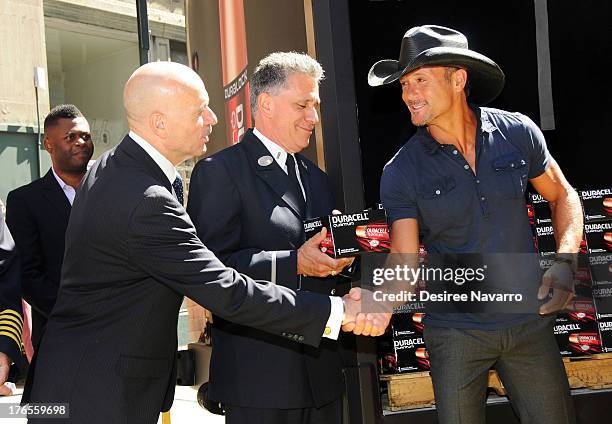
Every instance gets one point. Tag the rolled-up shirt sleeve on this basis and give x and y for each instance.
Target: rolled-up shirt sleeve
(539, 156)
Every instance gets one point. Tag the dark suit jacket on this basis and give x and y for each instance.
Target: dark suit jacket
(246, 213)
(37, 215)
(11, 319)
(131, 254)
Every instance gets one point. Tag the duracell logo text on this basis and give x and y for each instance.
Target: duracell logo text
(565, 328)
(236, 85)
(600, 259)
(537, 198)
(544, 231)
(602, 292)
(408, 343)
(342, 220)
(595, 194)
(605, 325)
(312, 225)
(598, 227)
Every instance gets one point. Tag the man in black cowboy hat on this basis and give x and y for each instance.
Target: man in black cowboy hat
(460, 183)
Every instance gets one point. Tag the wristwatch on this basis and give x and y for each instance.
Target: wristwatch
(567, 258)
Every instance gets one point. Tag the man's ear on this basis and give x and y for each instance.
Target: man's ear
(460, 79)
(265, 104)
(48, 145)
(157, 122)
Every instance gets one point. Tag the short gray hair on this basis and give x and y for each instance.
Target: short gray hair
(272, 72)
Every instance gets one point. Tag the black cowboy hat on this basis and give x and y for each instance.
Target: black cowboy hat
(433, 45)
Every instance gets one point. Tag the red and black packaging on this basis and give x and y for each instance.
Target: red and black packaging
(545, 239)
(352, 234)
(313, 226)
(598, 236)
(601, 271)
(540, 209)
(597, 204)
(577, 338)
(234, 63)
(403, 349)
(605, 333)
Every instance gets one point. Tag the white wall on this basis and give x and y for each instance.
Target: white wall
(97, 89)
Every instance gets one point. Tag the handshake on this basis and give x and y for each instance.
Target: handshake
(363, 315)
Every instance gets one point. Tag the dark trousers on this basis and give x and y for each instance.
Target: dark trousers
(527, 359)
(327, 414)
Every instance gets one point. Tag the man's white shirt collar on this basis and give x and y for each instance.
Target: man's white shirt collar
(68, 190)
(278, 153)
(161, 161)
(280, 156)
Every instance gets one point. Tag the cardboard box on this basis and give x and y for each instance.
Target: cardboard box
(597, 204)
(352, 234)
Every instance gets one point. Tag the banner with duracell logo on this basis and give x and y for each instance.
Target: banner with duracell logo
(225, 41)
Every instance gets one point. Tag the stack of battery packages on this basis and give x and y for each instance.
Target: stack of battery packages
(401, 348)
(585, 328)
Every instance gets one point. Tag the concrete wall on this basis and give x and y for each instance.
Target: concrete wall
(23, 48)
(19, 161)
(171, 6)
(121, 15)
(97, 89)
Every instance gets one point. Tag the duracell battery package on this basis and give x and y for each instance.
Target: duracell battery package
(585, 316)
(577, 338)
(605, 332)
(545, 239)
(546, 243)
(352, 234)
(598, 236)
(597, 204)
(403, 349)
(601, 267)
(539, 208)
(601, 271)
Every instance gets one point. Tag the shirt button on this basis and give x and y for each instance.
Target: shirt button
(511, 165)
(437, 191)
(477, 181)
(482, 198)
(466, 166)
(455, 152)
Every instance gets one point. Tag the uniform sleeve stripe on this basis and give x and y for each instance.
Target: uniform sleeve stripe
(10, 324)
(15, 331)
(11, 313)
(13, 337)
(9, 319)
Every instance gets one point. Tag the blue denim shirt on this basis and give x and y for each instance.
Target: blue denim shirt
(459, 211)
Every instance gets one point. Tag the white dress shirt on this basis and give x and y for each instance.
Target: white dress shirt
(69, 191)
(161, 161)
(280, 156)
